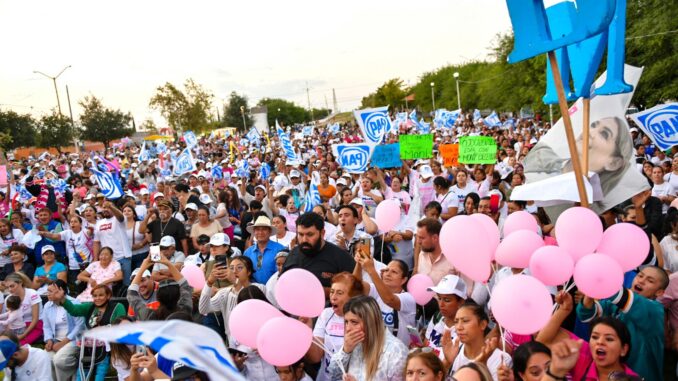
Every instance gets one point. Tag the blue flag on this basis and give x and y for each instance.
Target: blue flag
(307, 130)
(144, 155)
(24, 194)
(660, 123)
(335, 128)
(285, 142)
(413, 115)
(217, 172)
(424, 127)
(374, 123)
(109, 184)
(264, 171)
(253, 136)
(353, 157)
(312, 197)
(476, 115)
(184, 163)
(492, 120)
(190, 139)
(161, 147)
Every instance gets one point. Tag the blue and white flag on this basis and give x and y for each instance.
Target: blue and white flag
(334, 128)
(217, 172)
(424, 127)
(58, 184)
(144, 155)
(307, 130)
(109, 184)
(509, 124)
(312, 197)
(253, 136)
(243, 169)
(450, 118)
(660, 124)
(374, 123)
(161, 147)
(492, 120)
(476, 115)
(413, 115)
(188, 343)
(184, 163)
(353, 157)
(190, 139)
(285, 142)
(264, 171)
(24, 194)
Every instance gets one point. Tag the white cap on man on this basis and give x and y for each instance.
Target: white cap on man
(167, 241)
(450, 285)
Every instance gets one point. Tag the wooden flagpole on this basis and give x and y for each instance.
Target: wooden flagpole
(562, 102)
(585, 136)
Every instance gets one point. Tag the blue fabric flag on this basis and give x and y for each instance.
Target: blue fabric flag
(190, 139)
(492, 120)
(184, 163)
(217, 172)
(476, 115)
(312, 197)
(265, 171)
(109, 184)
(285, 142)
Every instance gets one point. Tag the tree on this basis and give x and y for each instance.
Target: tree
(149, 126)
(187, 110)
(289, 112)
(18, 130)
(233, 114)
(101, 124)
(390, 93)
(55, 130)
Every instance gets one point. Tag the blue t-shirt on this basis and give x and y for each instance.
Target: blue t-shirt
(52, 274)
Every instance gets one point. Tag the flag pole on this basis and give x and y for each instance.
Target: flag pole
(571, 142)
(585, 136)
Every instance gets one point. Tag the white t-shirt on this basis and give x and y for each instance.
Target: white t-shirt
(493, 362)
(31, 298)
(663, 189)
(670, 252)
(404, 250)
(113, 233)
(434, 335)
(406, 315)
(368, 202)
(461, 194)
(447, 201)
(38, 367)
(76, 246)
(330, 328)
(286, 240)
(672, 179)
(224, 221)
(401, 196)
(134, 236)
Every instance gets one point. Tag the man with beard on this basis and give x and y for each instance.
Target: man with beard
(26, 363)
(111, 231)
(164, 225)
(431, 260)
(313, 253)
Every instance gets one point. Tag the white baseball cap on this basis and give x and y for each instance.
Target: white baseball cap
(294, 173)
(425, 171)
(341, 181)
(143, 191)
(146, 274)
(47, 248)
(158, 194)
(191, 206)
(167, 241)
(450, 285)
(205, 198)
(357, 201)
(89, 197)
(220, 239)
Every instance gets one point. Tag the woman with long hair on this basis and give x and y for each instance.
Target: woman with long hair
(19, 284)
(222, 215)
(235, 209)
(397, 305)
(530, 362)
(462, 188)
(447, 198)
(329, 328)
(370, 351)
(471, 204)
(282, 235)
(137, 241)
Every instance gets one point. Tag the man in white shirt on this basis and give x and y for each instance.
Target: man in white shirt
(111, 231)
(26, 363)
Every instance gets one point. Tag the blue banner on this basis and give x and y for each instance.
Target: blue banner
(253, 136)
(413, 115)
(476, 115)
(307, 130)
(264, 171)
(334, 128)
(217, 172)
(190, 139)
(285, 142)
(184, 163)
(353, 157)
(312, 197)
(660, 124)
(492, 120)
(386, 156)
(109, 184)
(161, 147)
(144, 155)
(374, 123)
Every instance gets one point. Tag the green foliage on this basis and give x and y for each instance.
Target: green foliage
(101, 124)
(55, 130)
(187, 110)
(390, 93)
(233, 112)
(289, 112)
(494, 84)
(149, 126)
(16, 130)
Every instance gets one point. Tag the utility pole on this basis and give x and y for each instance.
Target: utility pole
(308, 98)
(70, 111)
(334, 102)
(55, 85)
(327, 106)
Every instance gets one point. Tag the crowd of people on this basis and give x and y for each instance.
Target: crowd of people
(72, 260)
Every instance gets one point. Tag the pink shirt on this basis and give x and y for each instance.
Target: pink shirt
(99, 274)
(670, 300)
(435, 270)
(585, 369)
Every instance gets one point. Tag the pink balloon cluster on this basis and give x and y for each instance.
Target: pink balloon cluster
(464, 241)
(521, 304)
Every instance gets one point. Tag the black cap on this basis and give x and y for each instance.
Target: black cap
(181, 371)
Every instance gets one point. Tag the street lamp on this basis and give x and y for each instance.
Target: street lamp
(55, 85)
(433, 96)
(244, 124)
(456, 78)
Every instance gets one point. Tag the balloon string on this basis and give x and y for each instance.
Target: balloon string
(570, 287)
(501, 331)
(383, 236)
(328, 352)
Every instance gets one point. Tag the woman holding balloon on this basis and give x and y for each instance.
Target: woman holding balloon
(398, 306)
(329, 328)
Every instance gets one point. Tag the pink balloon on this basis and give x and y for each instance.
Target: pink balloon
(282, 341)
(521, 304)
(520, 220)
(466, 245)
(418, 286)
(194, 276)
(491, 229)
(598, 276)
(300, 293)
(626, 243)
(579, 231)
(552, 265)
(516, 249)
(248, 317)
(387, 215)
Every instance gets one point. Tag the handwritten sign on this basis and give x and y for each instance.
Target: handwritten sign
(450, 153)
(477, 150)
(416, 146)
(386, 156)
(3, 176)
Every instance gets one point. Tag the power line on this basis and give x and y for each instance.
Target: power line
(653, 34)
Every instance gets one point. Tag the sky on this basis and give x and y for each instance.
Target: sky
(121, 51)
